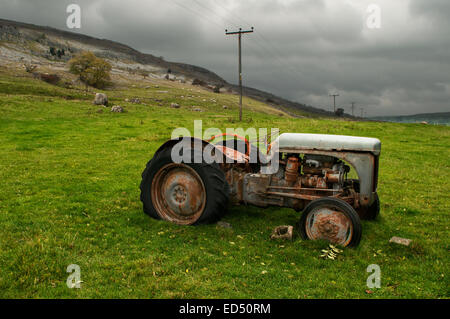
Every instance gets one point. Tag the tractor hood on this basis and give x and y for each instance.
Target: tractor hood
(299, 141)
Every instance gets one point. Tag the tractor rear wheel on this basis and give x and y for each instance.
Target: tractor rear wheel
(331, 219)
(183, 193)
(371, 212)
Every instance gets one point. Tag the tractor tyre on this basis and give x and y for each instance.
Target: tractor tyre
(331, 219)
(371, 212)
(183, 193)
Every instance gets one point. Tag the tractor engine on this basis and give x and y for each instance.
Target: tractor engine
(315, 171)
(298, 180)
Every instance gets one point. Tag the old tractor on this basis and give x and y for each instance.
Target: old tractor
(191, 181)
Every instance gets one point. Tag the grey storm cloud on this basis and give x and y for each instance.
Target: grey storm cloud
(302, 50)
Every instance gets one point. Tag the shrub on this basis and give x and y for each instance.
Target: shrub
(91, 70)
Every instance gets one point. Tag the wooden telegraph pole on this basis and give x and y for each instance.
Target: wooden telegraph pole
(239, 33)
(334, 101)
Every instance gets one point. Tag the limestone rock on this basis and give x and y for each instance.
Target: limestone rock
(101, 99)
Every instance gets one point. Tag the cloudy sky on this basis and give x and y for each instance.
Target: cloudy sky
(303, 50)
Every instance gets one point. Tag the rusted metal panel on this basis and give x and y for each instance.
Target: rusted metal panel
(232, 154)
(291, 172)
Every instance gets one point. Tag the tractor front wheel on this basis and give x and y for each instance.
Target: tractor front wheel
(331, 219)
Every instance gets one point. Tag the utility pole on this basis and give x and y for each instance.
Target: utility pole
(353, 108)
(362, 112)
(239, 33)
(334, 101)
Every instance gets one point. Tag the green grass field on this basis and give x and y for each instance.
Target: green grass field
(69, 195)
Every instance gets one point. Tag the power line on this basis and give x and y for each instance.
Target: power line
(265, 46)
(238, 19)
(209, 9)
(197, 13)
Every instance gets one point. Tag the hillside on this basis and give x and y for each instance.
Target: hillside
(21, 42)
(442, 118)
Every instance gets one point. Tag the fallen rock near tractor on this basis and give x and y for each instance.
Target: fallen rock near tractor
(283, 232)
(224, 224)
(400, 241)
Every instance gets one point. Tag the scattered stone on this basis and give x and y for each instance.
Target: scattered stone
(225, 107)
(148, 87)
(170, 77)
(400, 241)
(224, 224)
(175, 105)
(127, 100)
(196, 109)
(100, 111)
(135, 100)
(283, 232)
(101, 99)
(117, 109)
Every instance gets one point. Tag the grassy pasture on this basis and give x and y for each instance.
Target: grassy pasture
(69, 195)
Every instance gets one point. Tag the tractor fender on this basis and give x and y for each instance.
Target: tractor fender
(172, 142)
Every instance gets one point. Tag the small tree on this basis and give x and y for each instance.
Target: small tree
(91, 70)
(339, 112)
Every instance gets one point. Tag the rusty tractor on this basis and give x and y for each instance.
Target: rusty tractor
(191, 181)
